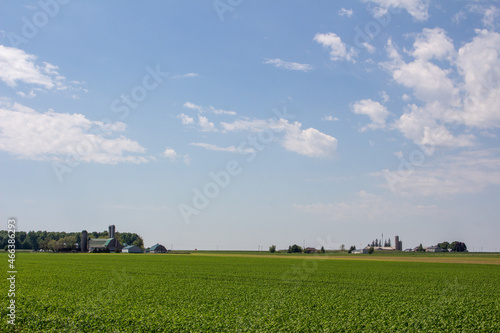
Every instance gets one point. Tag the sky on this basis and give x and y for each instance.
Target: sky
(237, 124)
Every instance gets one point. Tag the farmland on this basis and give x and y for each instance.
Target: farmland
(214, 292)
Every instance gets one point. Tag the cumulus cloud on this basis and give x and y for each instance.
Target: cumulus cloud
(205, 124)
(419, 9)
(376, 111)
(338, 50)
(292, 66)
(29, 134)
(308, 142)
(450, 87)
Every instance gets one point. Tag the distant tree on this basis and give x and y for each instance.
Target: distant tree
(342, 247)
(389, 242)
(139, 242)
(295, 249)
(322, 249)
(444, 245)
(32, 240)
(272, 248)
(457, 246)
(420, 248)
(371, 250)
(352, 248)
(289, 249)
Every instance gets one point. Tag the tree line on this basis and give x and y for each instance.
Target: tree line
(62, 241)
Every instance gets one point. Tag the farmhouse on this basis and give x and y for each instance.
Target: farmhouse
(131, 249)
(157, 248)
(434, 249)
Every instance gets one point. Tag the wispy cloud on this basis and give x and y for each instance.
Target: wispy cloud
(185, 76)
(419, 9)
(292, 66)
(345, 12)
(329, 118)
(17, 66)
(230, 149)
(211, 109)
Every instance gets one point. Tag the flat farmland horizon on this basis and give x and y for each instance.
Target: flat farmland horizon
(224, 292)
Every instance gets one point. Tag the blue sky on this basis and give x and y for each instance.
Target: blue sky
(241, 124)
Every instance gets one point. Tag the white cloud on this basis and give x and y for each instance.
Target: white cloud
(28, 134)
(329, 118)
(479, 64)
(292, 66)
(490, 16)
(345, 12)
(416, 8)
(370, 48)
(376, 111)
(193, 106)
(203, 109)
(433, 44)
(223, 112)
(309, 142)
(338, 50)
(17, 66)
(172, 155)
(385, 97)
(186, 120)
(185, 76)
(467, 172)
(450, 87)
(205, 124)
(230, 149)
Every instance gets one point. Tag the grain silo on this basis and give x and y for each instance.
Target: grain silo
(84, 243)
(111, 231)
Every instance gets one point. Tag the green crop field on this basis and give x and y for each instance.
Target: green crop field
(213, 293)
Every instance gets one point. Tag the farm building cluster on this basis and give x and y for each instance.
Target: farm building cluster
(112, 244)
(398, 246)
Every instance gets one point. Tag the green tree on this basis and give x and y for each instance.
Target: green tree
(322, 249)
(457, 246)
(272, 248)
(420, 248)
(371, 250)
(294, 249)
(352, 248)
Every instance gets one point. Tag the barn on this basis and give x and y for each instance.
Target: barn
(101, 244)
(158, 248)
(131, 249)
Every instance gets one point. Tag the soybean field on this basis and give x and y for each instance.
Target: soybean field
(224, 293)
